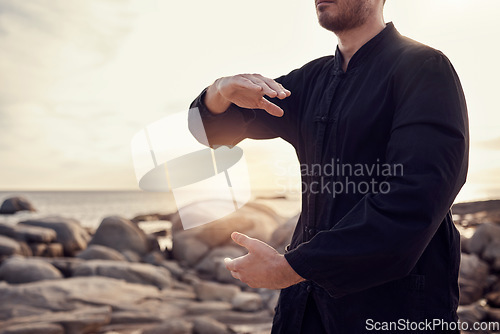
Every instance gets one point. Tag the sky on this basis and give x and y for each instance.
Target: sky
(80, 78)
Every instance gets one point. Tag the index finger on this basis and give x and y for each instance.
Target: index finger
(277, 87)
(234, 264)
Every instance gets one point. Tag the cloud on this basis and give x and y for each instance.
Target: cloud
(492, 144)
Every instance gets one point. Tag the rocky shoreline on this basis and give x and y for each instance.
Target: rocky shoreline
(58, 277)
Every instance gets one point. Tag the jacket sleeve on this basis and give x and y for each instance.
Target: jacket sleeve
(236, 123)
(384, 235)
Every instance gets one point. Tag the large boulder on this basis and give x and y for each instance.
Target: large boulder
(9, 246)
(491, 254)
(207, 325)
(122, 235)
(472, 279)
(485, 235)
(188, 251)
(81, 321)
(14, 204)
(215, 291)
(208, 307)
(69, 232)
(247, 302)
(30, 328)
(28, 233)
(98, 252)
(190, 246)
(246, 322)
(18, 270)
(47, 250)
(141, 273)
(471, 314)
(174, 326)
(70, 294)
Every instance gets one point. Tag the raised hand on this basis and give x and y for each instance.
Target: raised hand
(246, 91)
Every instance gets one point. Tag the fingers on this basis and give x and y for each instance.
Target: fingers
(229, 264)
(270, 87)
(236, 275)
(237, 264)
(281, 92)
(271, 108)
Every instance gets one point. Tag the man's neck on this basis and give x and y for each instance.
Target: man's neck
(351, 41)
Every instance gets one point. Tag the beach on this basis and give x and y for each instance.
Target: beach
(120, 262)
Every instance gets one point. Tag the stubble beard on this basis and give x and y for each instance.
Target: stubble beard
(351, 14)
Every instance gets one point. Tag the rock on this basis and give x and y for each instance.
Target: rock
(253, 219)
(65, 265)
(133, 317)
(491, 254)
(155, 258)
(485, 234)
(131, 256)
(18, 270)
(206, 325)
(153, 244)
(70, 234)
(282, 236)
(28, 233)
(15, 204)
(174, 268)
(80, 321)
(247, 302)
(141, 273)
(98, 252)
(472, 279)
(464, 244)
(215, 291)
(47, 250)
(493, 299)
(25, 249)
(38, 328)
(9, 246)
(177, 294)
(175, 326)
(189, 250)
(471, 314)
(72, 293)
(122, 235)
(243, 318)
(493, 314)
(208, 307)
(257, 328)
(272, 302)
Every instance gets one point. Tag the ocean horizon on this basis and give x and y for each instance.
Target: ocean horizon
(89, 207)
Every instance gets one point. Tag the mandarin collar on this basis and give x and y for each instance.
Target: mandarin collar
(386, 35)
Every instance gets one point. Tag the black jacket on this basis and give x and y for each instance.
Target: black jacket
(378, 241)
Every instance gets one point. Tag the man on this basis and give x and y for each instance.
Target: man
(360, 260)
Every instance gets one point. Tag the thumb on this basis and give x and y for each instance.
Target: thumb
(242, 240)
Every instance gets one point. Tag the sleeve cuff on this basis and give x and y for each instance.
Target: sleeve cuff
(206, 114)
(234, 120)
(299, 263)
